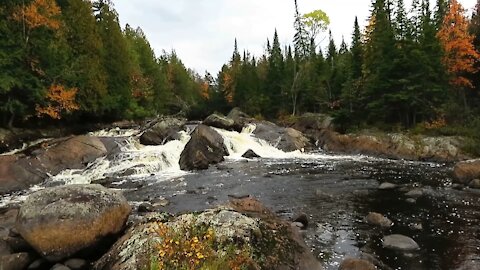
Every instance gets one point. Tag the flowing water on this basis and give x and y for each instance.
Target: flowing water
(335, 191)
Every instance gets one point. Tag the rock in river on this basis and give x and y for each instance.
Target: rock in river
(250, 154)
(163, 131)
(465, 171)
(379, 220)
(60, 221)
(205, 147)
(219, 121)
(399, 242)
(356, 264)
(387, 186)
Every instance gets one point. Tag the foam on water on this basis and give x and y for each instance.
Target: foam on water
(238, 143)
(134, 161)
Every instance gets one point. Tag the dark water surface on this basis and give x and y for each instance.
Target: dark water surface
(337, 194)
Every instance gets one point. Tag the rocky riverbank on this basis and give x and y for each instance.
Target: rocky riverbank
(74, 227)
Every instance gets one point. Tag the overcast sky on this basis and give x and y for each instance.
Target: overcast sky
(202, 32)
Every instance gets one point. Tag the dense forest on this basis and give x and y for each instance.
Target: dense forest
(408, 69)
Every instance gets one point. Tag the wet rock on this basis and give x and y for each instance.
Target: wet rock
(145, 207)
(71, 153)
(411, 200)
(250, 154)
(76, 264)
(239, 118)
(163, 131)
(17, 173)
(475, 183)
(399, 242)
(4, 248)
(379, 220)
(387, 186)
(416, 226)
(39, 264)
(301, 218)
(205, 147)
(17, 244)
(466, 171)
(17, 261)
(61, 221)
(285, 139)
(356, 264)
(59, 266)
(219, 121)
(415, 193)
(7, 221)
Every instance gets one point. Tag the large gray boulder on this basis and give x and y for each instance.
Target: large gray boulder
(163, 131)
(205, 147)
(239, 118)
(61, 221)
(285, 139)
(219, 121)
(225, 234)
(466, 171)
(399, 242)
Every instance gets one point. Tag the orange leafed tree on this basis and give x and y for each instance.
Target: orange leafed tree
(459, 52)
(39, 13)
(59, 99)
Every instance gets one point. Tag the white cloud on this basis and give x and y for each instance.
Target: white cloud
(203, 31)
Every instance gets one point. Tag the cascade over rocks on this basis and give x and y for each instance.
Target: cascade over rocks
(61, 221)
(219, 121)
(205, 147)
(466, 171)
(163, 131)
(19, 172)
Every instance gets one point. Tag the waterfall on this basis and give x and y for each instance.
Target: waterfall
(134, 161)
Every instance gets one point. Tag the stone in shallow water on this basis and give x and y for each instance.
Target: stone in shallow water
(411, 200)
(17, 261)
(379, 220)
(399, 242)
(475, 184)
(76, 264)
(356, 264)
(415, 193)
(387, 186)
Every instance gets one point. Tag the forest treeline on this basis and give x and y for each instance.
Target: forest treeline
(407, 67)
(71, 59)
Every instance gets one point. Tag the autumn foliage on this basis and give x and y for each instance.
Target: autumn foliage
(59, 99)
(460, 54)
(39, 13)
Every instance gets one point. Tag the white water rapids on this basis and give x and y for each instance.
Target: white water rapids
(137, 161)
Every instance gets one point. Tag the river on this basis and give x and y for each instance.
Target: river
(335, 191)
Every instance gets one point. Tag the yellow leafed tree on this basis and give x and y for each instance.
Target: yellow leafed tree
(59, 99)
(39, 13)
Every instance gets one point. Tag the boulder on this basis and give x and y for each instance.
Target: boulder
(205, 147)
(475, 183)
(246, 227)
(71, 153)
(18, 173)
(301, 218)
(61, 221)
(76, 264)
(285, 139)
(250, 154)
(356, 264)
(239, 118)
(17, 261)
(466, 171)
(310, 123)
(379, 220)
(219, 121)
(399, 242)
(163, 131)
